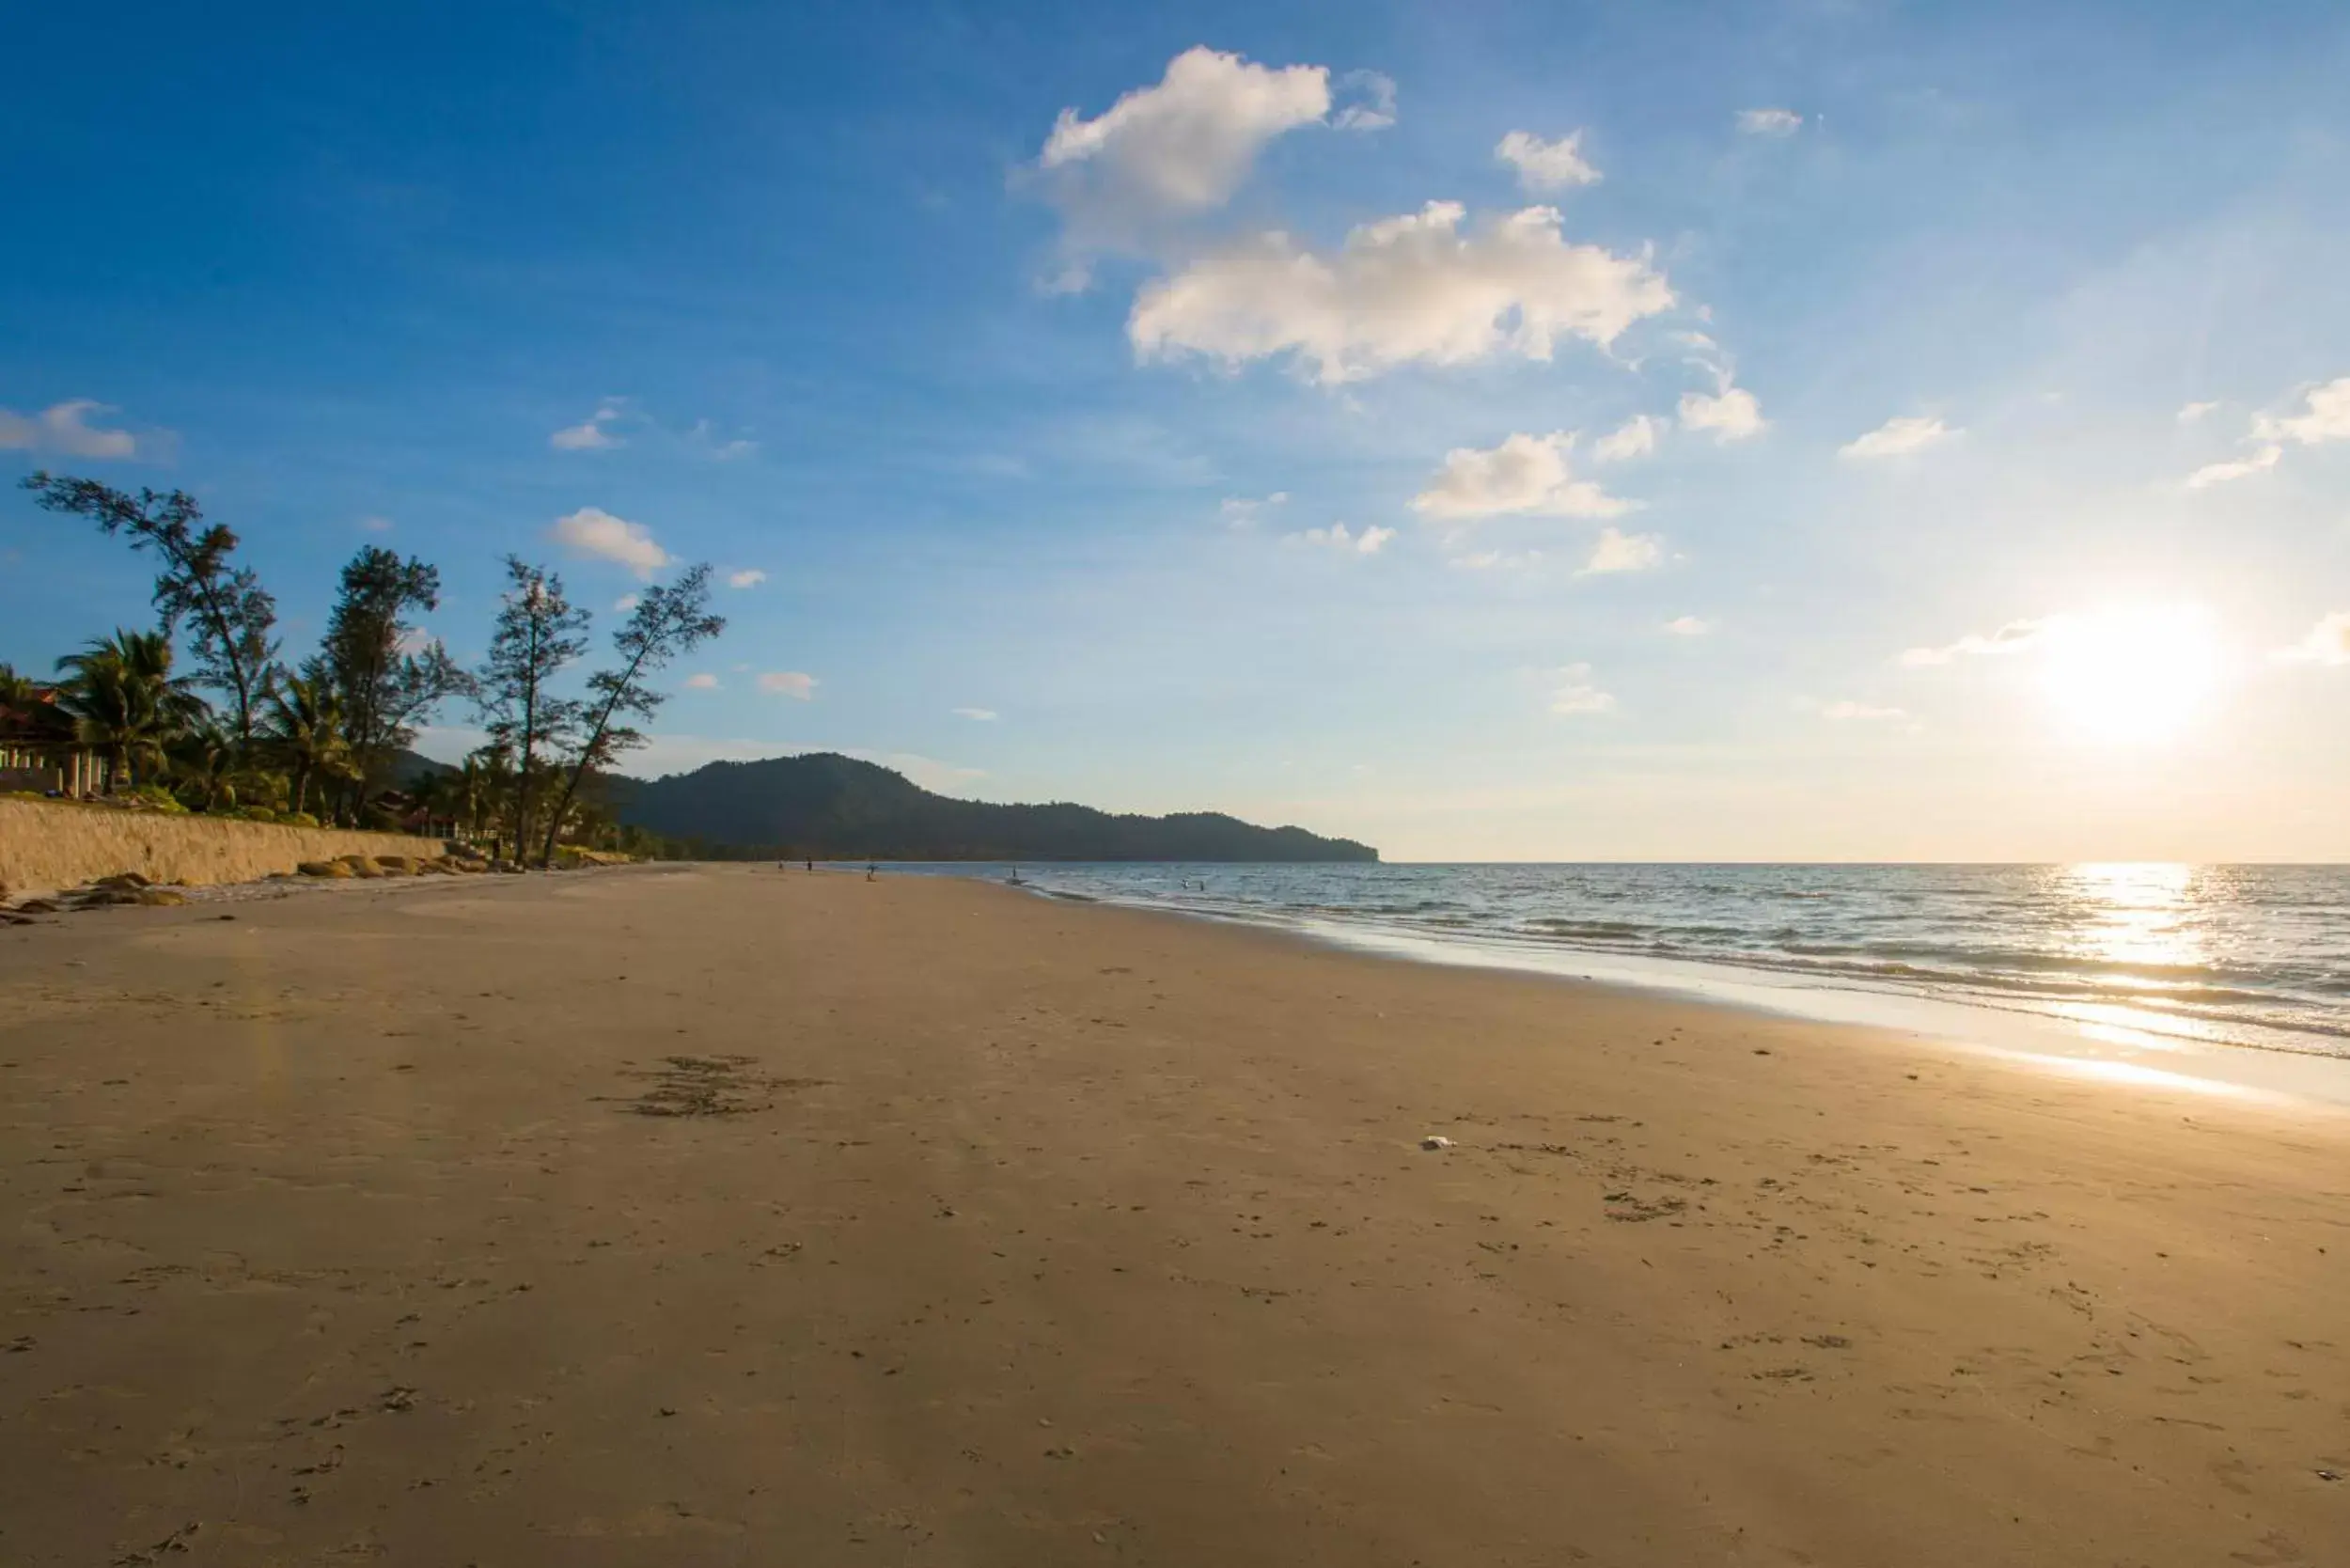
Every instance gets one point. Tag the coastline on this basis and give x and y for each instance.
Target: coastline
(1003, 1230)
(2111, 1040)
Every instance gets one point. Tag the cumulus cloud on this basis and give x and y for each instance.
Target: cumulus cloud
(65, 428)
(1577, 692)
(747, 577)
(1617, 551)
(1689, 626)
(1842, 713)
(2211, 474)
(592, 434)
(1635, 437)
(626, 602)
(1240, 512)
(705, 681)
(1175, 150)
(2013, 637)
(593, 531)
(2327, 643)
(1416, 288)
(983, 715)
(2325, 417)
(1335, 537)
(788, 683)
(1732, 414)
(2194, 412)
(1901, 436)
(1525, 474)
(1371, 106)
(1546, 165)
(376, 524)
(1769, 122)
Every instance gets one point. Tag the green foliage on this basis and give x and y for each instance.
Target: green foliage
(154, 796)
(666, 622)
(384, 686)
(298, 818)
(123, 700)
(230, 615)
(538, 634)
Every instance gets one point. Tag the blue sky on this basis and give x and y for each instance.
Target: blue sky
(988, 334)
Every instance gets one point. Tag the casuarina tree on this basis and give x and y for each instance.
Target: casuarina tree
(667, 622)
(386, 678)
(538, 634)
(229, 614)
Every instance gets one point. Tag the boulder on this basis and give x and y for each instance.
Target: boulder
(397, 864)
(323, 867)
(461, 866)
(122, 882)
(360, 865)
(158, 898)
(37, 906)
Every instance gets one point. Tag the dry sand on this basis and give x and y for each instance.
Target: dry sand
(1040, 1233)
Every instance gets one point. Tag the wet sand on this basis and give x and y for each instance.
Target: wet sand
(731, 1215)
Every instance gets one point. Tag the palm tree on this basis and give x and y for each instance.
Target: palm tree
(210, 771)
(303, 730)
(124, 699)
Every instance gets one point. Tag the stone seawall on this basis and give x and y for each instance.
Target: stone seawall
(45, 846)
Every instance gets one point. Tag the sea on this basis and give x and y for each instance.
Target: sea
(2254, 957)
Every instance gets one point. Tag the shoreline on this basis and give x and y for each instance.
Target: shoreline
(2123, 1051)
(705, 1212)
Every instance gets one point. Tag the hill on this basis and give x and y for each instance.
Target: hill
(830, 807)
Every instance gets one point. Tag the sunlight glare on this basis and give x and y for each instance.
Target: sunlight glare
(2130, 676)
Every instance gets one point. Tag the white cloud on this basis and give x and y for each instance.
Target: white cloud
(1901, 436)
(1842, 713)
(1496, 560)
(1335, 537)
(1731, 414)
(1180, 148)
(983, 715)
(705, 681)
(2326, 417)
(1546, 165)
(65, 428)
(1635, 437)
(1689, 626)
(376, 524)
(2220, 473)
(2193, 412)
(788, 683)
(1373, 108)
(625, 603)
(1575, 692)
(2013, 637)
(1897, 438)
(592, 434)
(1525, 474)
(2327, 643)
(593, 531)
(705, 441)
(1621, 552)
(1240, 513)
(1769, 122)
(747, 577)
(1414, 287)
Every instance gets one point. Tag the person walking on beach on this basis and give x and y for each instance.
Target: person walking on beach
(871, 870)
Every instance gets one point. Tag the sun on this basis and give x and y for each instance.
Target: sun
(2130, 676)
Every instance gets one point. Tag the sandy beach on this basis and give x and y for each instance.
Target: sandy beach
(731, 1215)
